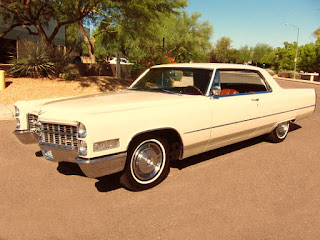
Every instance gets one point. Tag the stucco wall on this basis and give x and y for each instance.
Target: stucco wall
(20, 33)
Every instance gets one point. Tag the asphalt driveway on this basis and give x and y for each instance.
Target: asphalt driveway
(250, 190)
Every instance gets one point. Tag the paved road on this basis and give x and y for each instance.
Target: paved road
(251, 190)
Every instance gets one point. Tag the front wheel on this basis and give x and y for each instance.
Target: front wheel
(147, 164)
(279, 133)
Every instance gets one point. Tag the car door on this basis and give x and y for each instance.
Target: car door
(234, 106)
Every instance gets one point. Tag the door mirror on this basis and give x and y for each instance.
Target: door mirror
(216, 90)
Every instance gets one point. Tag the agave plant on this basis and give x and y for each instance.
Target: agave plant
(35, 62)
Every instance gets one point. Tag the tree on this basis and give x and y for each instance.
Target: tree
(186, 38)
(222, 51)
(316, 34)
(262, 54)
(34, 15)
(171, 37)
(29, 13)
(244, 54)
(73, 39)
(132, 15)
(285, 56)
(309, 58)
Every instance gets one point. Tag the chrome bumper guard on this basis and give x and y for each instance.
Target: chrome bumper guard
(26, 137)
(93, 168)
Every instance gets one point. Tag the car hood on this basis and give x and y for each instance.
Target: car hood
(77, 107)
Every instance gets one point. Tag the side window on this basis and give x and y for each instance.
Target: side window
(241, 81)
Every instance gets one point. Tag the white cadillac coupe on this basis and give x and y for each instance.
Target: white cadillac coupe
(170, 112)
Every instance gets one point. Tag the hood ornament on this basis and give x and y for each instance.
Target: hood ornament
(41, 112)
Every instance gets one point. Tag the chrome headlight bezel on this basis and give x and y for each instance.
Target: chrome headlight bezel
(82, 131)
(18, 124)
(82, 148)
(16, 111)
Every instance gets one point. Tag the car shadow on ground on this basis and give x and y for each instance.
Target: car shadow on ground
(104, 184)
(222, 151)
(112, 182)
(67, 168)
(108, 183)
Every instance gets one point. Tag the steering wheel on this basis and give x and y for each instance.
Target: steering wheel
(194, 90)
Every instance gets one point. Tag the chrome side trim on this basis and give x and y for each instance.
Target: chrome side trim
(251, 119)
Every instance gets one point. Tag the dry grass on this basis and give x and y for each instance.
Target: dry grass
(29, 88)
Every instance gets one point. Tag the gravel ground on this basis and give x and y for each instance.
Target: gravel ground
(30, 89)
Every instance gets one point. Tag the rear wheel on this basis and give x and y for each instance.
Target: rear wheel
(147, 163)
(279, 133)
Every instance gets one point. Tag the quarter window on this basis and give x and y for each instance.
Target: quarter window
(240, 81)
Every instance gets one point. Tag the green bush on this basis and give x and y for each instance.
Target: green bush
(70, 73)
(61, 61)
(270, 71)
(35, 62)
(39, 60)
(286, 74)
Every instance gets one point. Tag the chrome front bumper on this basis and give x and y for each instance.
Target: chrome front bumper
(26, 137)
(93, 168)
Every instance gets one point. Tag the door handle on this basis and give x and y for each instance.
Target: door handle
(255, 99)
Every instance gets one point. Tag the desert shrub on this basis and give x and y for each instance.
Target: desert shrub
(70, 73)
(61, 60)
(38, 60)
(35, 62)
(270, 71)
(286, 74)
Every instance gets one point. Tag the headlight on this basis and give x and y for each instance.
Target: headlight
(16, 111)
(82, 148)
(18, 124)
(82, 132)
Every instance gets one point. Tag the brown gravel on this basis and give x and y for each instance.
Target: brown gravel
(30, 89)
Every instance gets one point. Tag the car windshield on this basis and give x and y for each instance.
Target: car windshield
(175, 80)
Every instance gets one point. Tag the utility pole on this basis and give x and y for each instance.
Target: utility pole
(296, 58)
(118, 66)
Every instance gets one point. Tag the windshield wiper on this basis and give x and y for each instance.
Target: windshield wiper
(168, 91)
(154, 90)
(140, 89)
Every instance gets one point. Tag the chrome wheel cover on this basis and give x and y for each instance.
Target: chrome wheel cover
(282, 129)
(147, 161)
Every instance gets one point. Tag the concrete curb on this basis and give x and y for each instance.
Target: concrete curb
(6, 112)
(297, 80)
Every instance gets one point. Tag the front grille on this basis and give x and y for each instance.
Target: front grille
(32, 121)
(58, 134)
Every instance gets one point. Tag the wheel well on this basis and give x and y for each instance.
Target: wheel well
(172, 136)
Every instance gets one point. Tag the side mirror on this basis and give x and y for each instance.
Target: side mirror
(216, 90)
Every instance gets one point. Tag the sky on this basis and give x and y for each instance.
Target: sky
(249, 22)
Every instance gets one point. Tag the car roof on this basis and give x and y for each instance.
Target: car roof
(208, 66)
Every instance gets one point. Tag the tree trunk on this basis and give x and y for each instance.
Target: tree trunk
(43, 34)
(87, 42)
